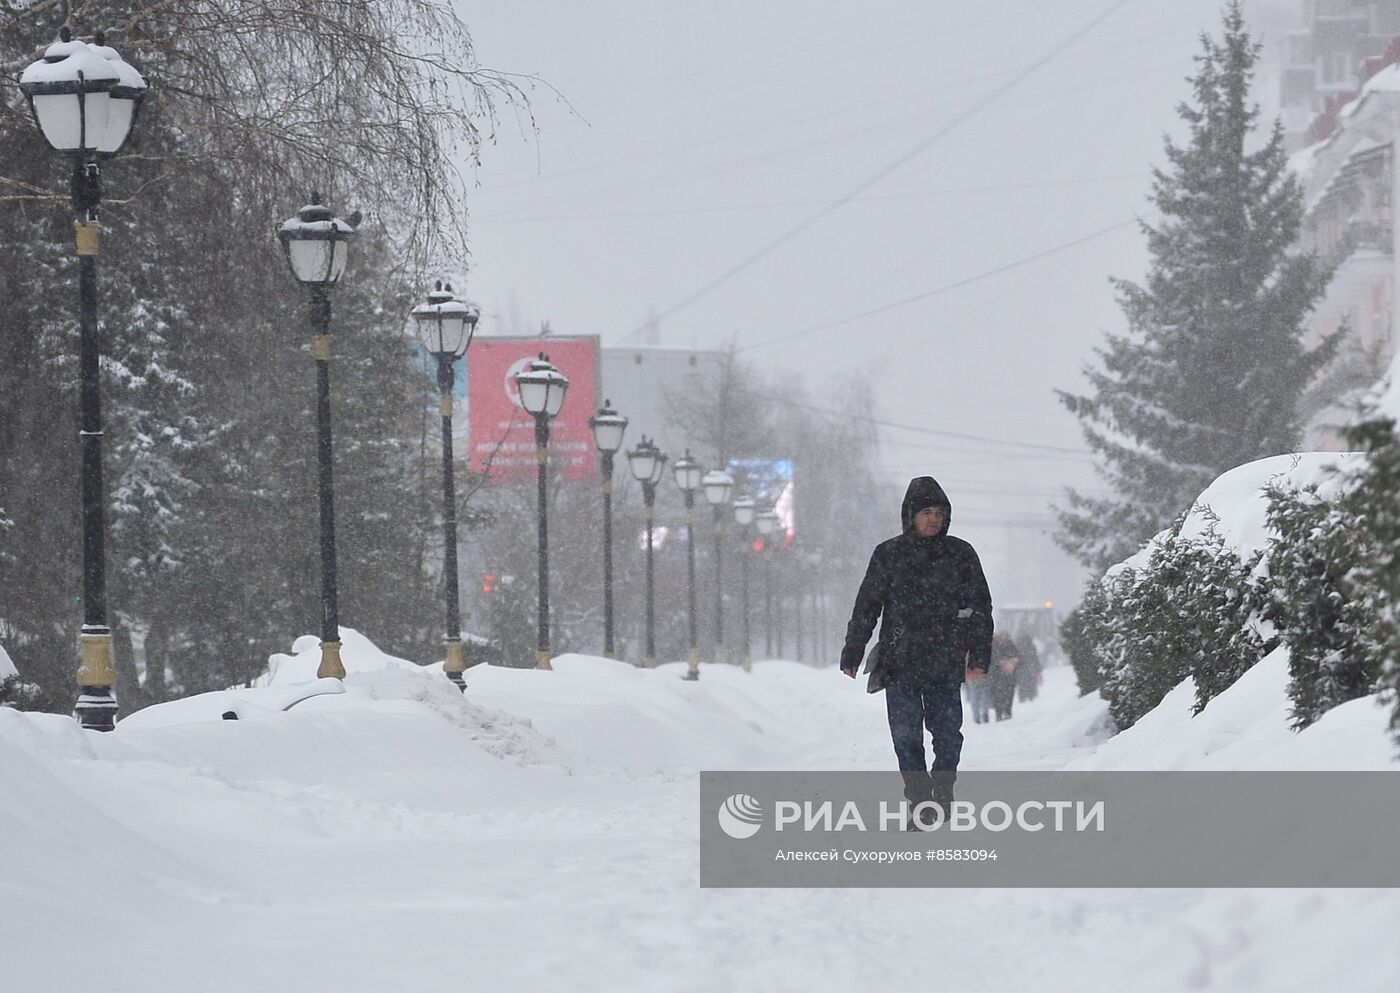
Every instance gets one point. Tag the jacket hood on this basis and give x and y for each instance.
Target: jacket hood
(924, 491)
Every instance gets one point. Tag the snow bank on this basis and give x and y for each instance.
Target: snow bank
(1236, 503)
(540, 832)
(1246, 727)
(7, 665)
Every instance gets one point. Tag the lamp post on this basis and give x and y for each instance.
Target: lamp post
(542, 388)
(765, 523)
(608, 428)
(317, 246)
(648, 463)
(688, 474)
(717, 484)
(85, 99)
(445, 326)
(743, 516)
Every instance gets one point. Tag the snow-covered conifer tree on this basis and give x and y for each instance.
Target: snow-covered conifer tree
(1209, 374)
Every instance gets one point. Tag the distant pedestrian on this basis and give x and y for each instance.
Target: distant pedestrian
(979, 695)
(927, 590)
(1028, 670)
(1005, 656)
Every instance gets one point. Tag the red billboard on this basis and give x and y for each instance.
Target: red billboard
(502, 435)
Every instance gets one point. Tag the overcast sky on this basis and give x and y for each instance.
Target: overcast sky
(889, 149)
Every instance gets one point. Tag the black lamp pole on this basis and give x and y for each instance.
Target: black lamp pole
(541, 389)
(744, 569)
(58, 87)
(609, 648)
(542, 501)
(96, 708)
(608, 428)
(649, 498)
(330, 611)
(693, 672)
(719, 584)
(453, 666)
(445, 326)
(316, 245)
(647, 464)
(744, 517)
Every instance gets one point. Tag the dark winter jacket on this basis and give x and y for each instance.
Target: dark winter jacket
(930, 597)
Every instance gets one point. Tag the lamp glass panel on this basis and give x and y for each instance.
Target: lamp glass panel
(340, 255)
(555, 401)
(59, 119)
(607, 434)
(642, 464)
(118, 124)
(534, 395)
(310, 259)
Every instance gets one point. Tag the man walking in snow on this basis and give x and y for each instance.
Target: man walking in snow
(928, 592)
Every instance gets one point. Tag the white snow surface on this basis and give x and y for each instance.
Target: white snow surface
(1236, 503)
(540, 833)
(7, 665)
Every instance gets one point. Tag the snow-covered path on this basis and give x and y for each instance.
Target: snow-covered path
(542, 835)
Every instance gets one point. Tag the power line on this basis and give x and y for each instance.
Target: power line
(941, 289)
(917, 150)
(773, 204)
(921, 429)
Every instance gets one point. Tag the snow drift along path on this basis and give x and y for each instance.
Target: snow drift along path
(540, 833)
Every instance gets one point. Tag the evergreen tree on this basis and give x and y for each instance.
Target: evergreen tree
(1212, 368)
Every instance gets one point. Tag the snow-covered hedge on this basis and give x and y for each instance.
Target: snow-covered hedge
(1298, 551)
(1191, 609)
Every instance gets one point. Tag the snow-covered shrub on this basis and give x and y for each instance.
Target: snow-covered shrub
(1190, 610)
(1322, 597)
(16, 692)
(1080, 634)
(1376, 502)
(1336, 580)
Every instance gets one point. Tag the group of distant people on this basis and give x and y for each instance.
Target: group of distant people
(1015, 669)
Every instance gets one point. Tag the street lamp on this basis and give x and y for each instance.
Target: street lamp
(542, 388)
(85, 99)
(445, 326)
(648, 464)
(765, 522)
(717, 484)
(608, 428)
(688, 474)
(743, 516)
(317, 245)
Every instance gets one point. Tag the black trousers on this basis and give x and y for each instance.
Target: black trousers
(912, 706)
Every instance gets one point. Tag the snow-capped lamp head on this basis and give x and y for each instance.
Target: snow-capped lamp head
(542, 388)
(317, 244)
(445, 324)
(647, 462)
(717, 484)
(608, 427)
(687, 473)
(84, 98)
(744, 511)
(766, 522)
